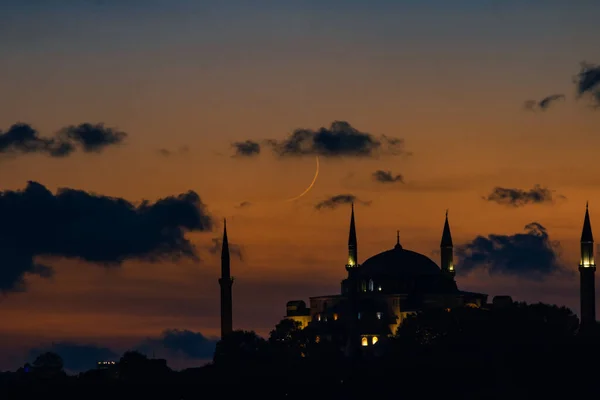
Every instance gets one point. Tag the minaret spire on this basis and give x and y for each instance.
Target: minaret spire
(225, 261)
(586, 232)
(447, 249)
(587, 271)
(352, 242)
(226, 282)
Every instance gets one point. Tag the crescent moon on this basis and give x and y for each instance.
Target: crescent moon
(309, 186)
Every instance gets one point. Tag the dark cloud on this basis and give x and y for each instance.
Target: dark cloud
(519, 197)
(92, 138)
(94, 228)
(387, 177)
(23, 139)
(171, 344)
(168, 153)
(77, 357)
(339, 140)
(234, 249)
(247, 148)
(544, 103)
(177, 342)
(587, 82)
(529, 255)
(334, 202)
(244, 204)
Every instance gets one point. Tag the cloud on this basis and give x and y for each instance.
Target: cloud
(94, 228)
(530, 255)
(339, 140)
(92, 138)
(387, 177)
(76, 357)
(544, 103)
(234, 249)
(22, 138)
(175, 342)
(587, 81)
(168, 153)
(247, 148)
(171, 344)
(519, 197)
(334, 202)
(244, 204)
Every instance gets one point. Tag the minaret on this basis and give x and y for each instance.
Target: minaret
(352, 245)
(446, 250)
(226, 282)
(587, 270)
(353, 344)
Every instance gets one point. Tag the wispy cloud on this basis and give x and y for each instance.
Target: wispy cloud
(334, 202)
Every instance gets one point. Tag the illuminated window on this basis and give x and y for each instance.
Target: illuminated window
(375, 339)
(379, 288)
(318, 317)
(379, 315)
(370, 285)
(365, 341)
(358, 315)
(335, 317)
(364, 286)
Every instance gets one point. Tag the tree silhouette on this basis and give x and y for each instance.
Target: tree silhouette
(135, 366)
(240, 348)
(48, 365)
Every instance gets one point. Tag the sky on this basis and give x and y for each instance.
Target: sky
(130, 129)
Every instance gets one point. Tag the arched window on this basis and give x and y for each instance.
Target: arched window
(365, 341)
(371, 286)
(375, 339)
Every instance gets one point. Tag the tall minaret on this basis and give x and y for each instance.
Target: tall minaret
(446, 250)
(353, 344)
(587, 270)
(226, 282)
(352, 245)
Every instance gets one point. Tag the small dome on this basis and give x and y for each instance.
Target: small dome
(399, 262)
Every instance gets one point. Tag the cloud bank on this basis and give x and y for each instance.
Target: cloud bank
(94, 228)
(519, 197)
(171, 343)
(22, 139)
(340, 139)
(529, 255)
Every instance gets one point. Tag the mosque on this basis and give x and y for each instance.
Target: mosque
(379, 294)
(389, 286)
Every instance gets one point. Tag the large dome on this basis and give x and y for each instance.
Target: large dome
(399, 262)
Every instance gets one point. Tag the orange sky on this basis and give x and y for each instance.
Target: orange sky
(455, 99)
